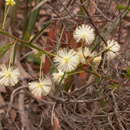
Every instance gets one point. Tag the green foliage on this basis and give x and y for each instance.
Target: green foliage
(4, 49)
(35, 58)
(122, 7)
(30, 23)
(115, 86)
(40, 32)
(128, 71)
(103, 103)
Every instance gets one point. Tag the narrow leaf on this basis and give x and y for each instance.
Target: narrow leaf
(4, 49)
(121, 7)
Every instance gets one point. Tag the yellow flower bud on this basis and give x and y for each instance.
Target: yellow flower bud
(97, 59)
(10, 2)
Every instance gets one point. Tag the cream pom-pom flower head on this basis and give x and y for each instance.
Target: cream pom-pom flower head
(10, 2)
(84, 33)
(66, 60)
(40, 88)
(83, 53)
(97, 59)
(58, 76)
(9, 76)
(112, 49)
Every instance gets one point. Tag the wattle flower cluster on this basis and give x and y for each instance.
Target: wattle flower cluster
(66, 61)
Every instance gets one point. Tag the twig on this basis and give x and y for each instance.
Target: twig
(110, 27)
(116, 111)
(25, 43)
(108, 19)
(66, 9)
(7, 104)
(91, 21)
(110, 122)
(23, 115)
(39, 5)
(52, 114)
(63, 100)
(12, 98)
(85, 101)
(25, 55)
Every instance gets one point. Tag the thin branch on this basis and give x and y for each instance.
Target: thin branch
(116, 109)
(26, 43)
(12, 98)
(91, 21)
(23, 114)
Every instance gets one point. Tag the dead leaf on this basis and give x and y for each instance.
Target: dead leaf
(47, 66)
(83, 75)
